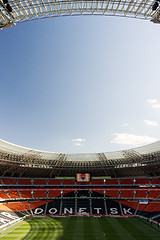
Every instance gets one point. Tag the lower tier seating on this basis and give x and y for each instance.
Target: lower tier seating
(82, 207)
(82, 203)
(120, 193)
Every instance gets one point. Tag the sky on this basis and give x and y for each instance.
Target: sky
(82, 84)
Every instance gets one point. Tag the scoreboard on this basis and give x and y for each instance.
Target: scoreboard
(83, 177)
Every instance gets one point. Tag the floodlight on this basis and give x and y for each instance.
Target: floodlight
(9, 8)
(155, 5)
(5, 1)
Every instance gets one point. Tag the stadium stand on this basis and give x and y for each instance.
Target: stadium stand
(113, 193)
(53, 193)
(140, 193)
(54, 182)
(126, 193)
(39, 182)
(141, 181)
(68, 182)
(153, 194)
(97, 182)
(8, 181)
(3, 194)
(24, 181)
(112, 181)
(118, 194)
(13, 194)
(40, 193)
(25, 193)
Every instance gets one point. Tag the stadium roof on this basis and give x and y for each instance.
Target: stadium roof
(16, 11)
(9, 148)
(16, 160)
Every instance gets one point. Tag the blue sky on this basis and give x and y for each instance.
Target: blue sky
(80, 84)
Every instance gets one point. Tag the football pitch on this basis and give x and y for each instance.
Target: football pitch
(81, 228)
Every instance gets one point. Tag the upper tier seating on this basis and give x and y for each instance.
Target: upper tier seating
(107, 181)
(141, 181)
(24, 181)
(112, 181)
(54, 182)
(68, 182)
(8, 181)
(154, 180)
(39, 182)
(97, 182)
(126, 181)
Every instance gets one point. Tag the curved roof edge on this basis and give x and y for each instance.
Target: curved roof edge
(26, 162)
(10, 148)
(13, 12)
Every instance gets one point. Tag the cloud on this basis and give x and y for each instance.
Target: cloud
(151, 123)
(152, 100)
(78, 141)
(131, 139)
(125, 125)
(154, 103)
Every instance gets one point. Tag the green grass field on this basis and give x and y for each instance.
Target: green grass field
(81, 228)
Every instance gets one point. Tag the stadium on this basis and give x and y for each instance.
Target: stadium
(120, 184)
(85, 196)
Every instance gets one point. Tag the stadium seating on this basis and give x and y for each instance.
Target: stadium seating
(8, 215)
(13, 194)
(16, 207)
(112, 181)
(68, 182)
(66, 197)
(24, 181)
(112, 193)
(153, 194)
(4, 194)
(54, 182)
(40, 194)
(39, 182)
(154, 180)
(8, 181)
(97, 182)
(129, 206)
(126, 193)
(25, 193)
(54, 193)
(126, 181)
(140, 193)
(142, 181)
